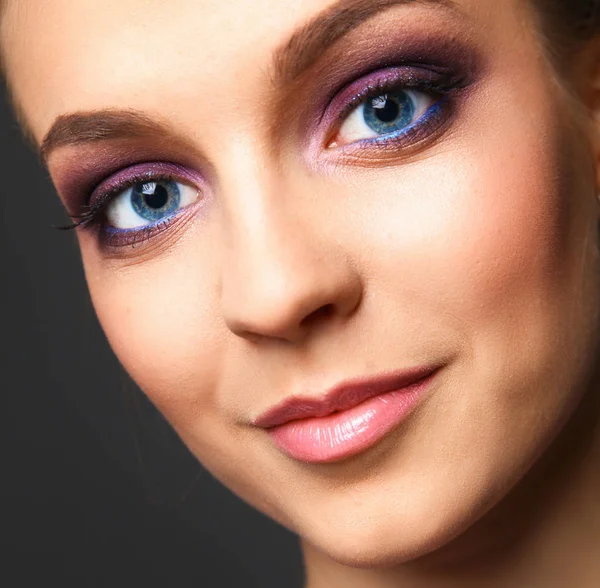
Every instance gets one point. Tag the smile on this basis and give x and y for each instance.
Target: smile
(348, 419)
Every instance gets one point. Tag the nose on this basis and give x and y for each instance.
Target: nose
(285, 276)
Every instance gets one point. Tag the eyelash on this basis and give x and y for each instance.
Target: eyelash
(441, 88)
(372, 91)
(92, 217)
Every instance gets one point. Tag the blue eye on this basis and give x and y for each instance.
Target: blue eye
(389, 112)
(155, 200)
(146, 203)
(385, 114)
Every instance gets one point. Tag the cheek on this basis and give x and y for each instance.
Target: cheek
(162, 320)
(159, 319)
(494, 235)
(497, 241)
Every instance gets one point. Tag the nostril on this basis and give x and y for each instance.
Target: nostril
(321, 313)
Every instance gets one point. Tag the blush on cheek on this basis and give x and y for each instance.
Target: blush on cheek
(159, 320)
(511, 239)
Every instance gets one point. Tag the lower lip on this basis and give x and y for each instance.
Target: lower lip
(343, 434)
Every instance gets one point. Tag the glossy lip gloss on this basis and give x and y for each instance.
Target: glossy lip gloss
(349, 419)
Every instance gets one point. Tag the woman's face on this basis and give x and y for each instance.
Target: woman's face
(291, 195)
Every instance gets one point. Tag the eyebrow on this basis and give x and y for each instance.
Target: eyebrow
(309, 42)
(99, 125)
(290, 60)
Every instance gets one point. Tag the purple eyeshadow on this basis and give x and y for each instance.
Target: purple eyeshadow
(391, 63)
(143, 172)
(405, 77)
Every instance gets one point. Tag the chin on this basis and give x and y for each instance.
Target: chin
(384, 544)
(391, 529)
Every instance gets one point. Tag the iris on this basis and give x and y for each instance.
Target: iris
(390, 112)
(155, 200)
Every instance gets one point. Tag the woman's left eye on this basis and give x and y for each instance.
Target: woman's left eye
(389, 113)
(148, 203)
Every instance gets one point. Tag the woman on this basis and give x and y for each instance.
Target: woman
(349, 249)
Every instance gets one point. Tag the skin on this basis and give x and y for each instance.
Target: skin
(301, 267)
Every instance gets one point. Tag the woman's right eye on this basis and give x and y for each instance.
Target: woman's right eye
(148, 203)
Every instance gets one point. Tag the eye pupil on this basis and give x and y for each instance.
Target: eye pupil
(155, 195)
(385, 109)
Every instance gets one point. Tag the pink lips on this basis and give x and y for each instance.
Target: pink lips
(349, 419)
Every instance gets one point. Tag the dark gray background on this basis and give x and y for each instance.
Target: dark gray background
(96, 489)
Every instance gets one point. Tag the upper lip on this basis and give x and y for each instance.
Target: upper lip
(342, 396)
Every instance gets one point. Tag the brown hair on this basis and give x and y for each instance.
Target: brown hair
(580, 17)
(567, 25)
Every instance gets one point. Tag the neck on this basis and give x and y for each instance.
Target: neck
(544, 534)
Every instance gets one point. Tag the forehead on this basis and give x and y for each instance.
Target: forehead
(69, 55)
(131, 44)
